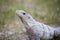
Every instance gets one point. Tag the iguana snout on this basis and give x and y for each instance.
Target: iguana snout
(20, 13)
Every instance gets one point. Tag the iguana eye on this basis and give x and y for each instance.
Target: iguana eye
(23, 13)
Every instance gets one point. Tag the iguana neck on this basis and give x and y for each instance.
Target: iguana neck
(29, 22)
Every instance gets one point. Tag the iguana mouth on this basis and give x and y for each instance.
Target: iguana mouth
(21, 19)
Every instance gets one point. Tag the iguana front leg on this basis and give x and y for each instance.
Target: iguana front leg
(34, 38)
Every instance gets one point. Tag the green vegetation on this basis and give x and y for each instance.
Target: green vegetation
(51, 8)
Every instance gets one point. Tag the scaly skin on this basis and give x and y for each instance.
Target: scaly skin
(35, 30)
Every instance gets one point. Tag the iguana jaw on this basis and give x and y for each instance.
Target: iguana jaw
(21, 19)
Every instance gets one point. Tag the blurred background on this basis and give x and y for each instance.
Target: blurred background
(11, 28)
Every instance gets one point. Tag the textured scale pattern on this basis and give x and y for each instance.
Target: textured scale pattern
(36, 30)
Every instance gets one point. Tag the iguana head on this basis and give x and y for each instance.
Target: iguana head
(26, 19)
(22, 14)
